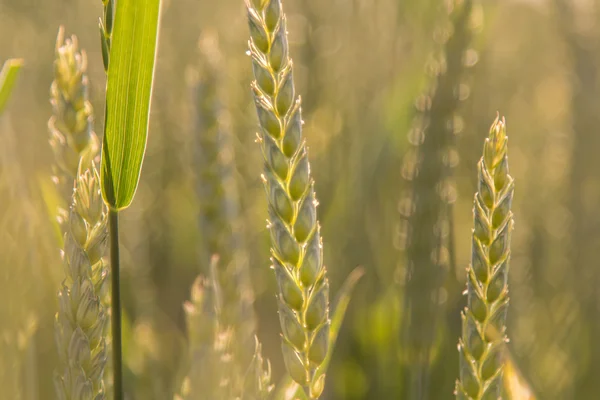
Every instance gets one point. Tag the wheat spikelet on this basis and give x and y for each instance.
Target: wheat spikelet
(426, 209)
(295, 234)
(82, 317)
(71, 125)
(483, 321)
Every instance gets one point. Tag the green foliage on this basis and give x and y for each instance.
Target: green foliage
(129, 89)
(8, 77)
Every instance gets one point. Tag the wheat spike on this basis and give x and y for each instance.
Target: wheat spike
(484, 319)
(427, 206)
(214, 374)
(71, 126)
(295, 233)
(220, 222)
(227, 346)
(82, 317)
(257, 382)
(201, 314)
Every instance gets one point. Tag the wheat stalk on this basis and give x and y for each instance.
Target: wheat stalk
(484, 319)
(82, 317)
(295, 233)
(71, 126)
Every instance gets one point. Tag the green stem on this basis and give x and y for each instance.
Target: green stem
(116, 305)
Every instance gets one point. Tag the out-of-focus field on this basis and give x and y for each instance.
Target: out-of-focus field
(359, 66)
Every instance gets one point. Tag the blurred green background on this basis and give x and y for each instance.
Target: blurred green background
(360, 65)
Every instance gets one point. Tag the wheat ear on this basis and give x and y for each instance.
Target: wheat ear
(220, 222)
(257, 382)
(82, 317)
(214, 374)
(295, 234)
(232, 351)
(427, 207)
(201, 313)
(484, 319)
(71, 126)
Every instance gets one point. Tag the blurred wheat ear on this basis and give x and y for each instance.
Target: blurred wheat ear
(228, 347)
(297, 249)
(219, 219)
(71, 126)
(484, 319)
(81, 319)
(427, 207)
(215, 373)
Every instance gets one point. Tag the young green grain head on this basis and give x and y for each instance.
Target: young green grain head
(82, 317)
(201, 313)
(297, 249)
(214, 371)
(426, 208)
(257, 381)
(219, 218)
(484, 319)
(71, 126)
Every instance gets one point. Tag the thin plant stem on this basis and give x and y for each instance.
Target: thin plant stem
(116, 305)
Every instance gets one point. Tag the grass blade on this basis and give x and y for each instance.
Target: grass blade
(339, 312)
(8, 77)
(128, 93)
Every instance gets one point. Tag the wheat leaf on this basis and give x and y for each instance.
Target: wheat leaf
(339, 312)
(128, 93)
(8, 77)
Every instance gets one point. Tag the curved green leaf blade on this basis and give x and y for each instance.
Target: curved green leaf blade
(128, 93)
(339, 312)
(8, 77)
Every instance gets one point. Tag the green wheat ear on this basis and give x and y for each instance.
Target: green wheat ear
(71, 126)
(484, 319)
(295, 234)
(426, 208)
(82, 317)
(214, 373)
(219, 217)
